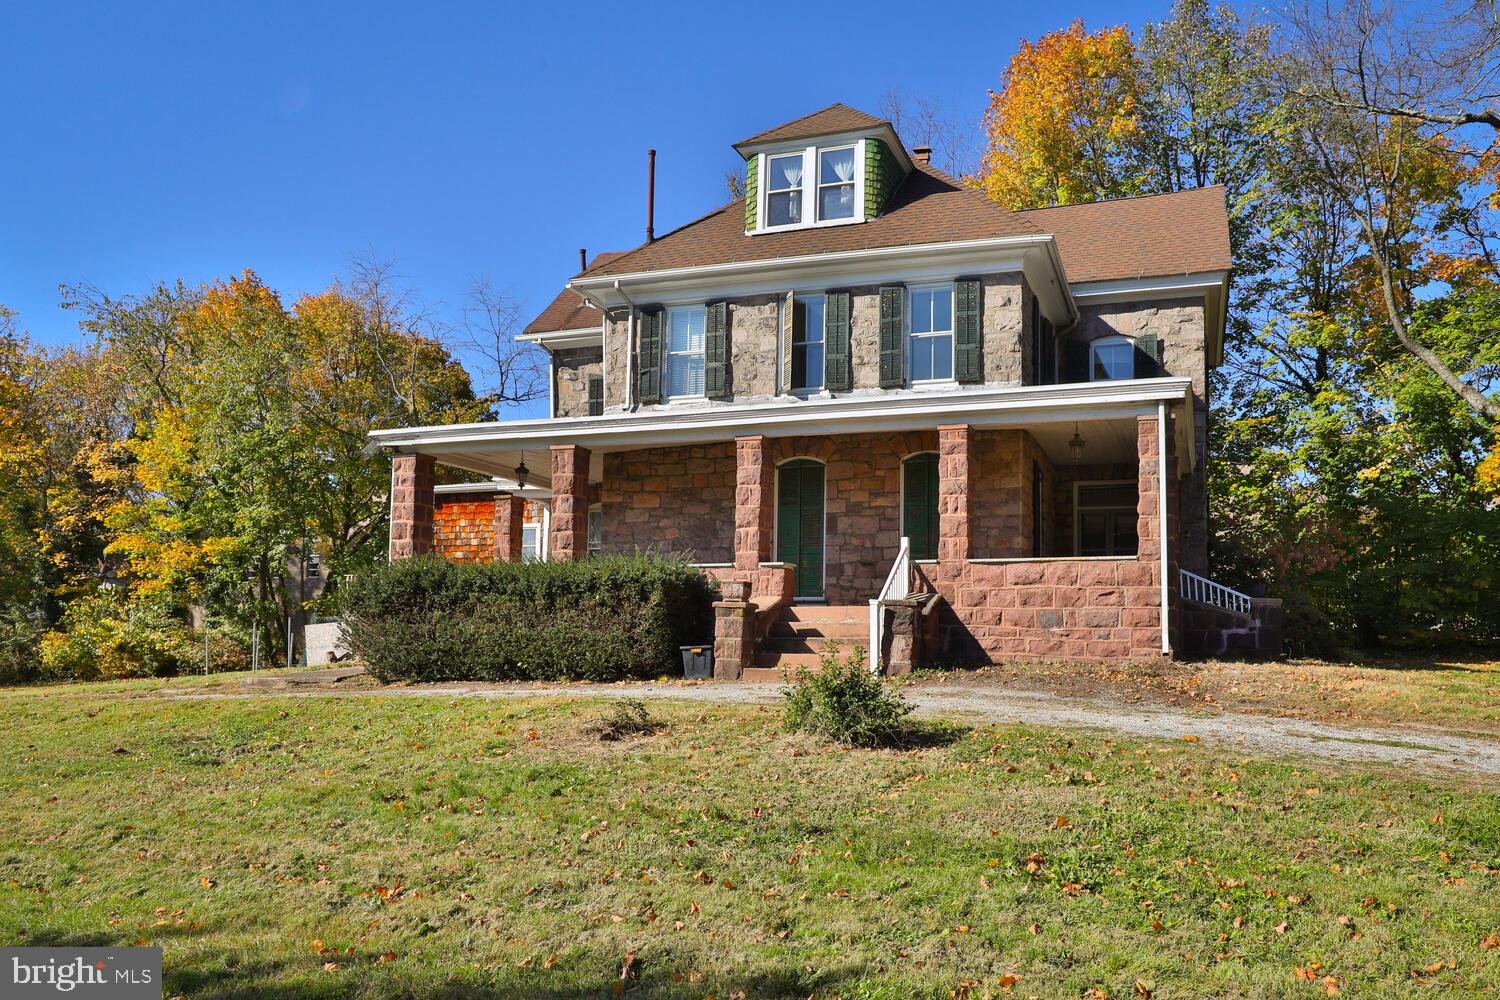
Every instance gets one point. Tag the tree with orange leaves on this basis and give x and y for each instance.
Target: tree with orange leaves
(1065, 125)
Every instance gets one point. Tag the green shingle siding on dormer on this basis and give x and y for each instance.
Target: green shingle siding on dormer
(882, 174)
(752, 190)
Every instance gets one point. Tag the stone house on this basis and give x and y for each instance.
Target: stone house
(882, 409)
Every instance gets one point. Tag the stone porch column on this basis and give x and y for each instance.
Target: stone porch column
(411, 504)
(754, 483)
(569, 537)
(955, 489)
(510, 511)
(1152, 493)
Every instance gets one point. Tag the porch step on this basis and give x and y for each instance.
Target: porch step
(784, 629)
(827, 613)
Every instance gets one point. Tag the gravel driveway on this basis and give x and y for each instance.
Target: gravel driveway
(1421, 749)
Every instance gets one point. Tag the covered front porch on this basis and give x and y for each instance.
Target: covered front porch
(1030, 517)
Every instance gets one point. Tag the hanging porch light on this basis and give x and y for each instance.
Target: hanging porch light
(1075, 445)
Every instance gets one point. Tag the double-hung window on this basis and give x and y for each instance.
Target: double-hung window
(784, 189)
(685, 326)
(807, 342)
(1111, 358)
(836, 183)
(930, 336)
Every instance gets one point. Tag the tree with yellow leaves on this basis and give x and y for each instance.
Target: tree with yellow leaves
(1064, 127)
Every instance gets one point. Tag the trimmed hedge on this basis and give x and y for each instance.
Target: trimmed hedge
(426, 619)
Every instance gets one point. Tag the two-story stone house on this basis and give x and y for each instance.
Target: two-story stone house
(863, 382)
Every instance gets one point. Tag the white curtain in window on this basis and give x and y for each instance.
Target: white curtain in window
(786, 172)
(842, 164)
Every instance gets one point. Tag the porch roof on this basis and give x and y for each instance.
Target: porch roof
(1048, 411)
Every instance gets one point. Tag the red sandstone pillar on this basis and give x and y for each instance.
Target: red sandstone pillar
(569, 538)
(955, 489)
(509, 513)
(411, 505)
(754, 484)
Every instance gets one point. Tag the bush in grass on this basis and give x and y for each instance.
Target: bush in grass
(425, 619)
(20, 646)
(105, 637)
(843, 701)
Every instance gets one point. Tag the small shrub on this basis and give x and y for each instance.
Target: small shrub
(20, 647)
(105, 637)
(628, 718)
(843, 701)
(426, 619)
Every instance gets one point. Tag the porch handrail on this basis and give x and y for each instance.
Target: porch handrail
(1205, 591)
(897, 585)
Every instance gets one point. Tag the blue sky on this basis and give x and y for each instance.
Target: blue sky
(151, 141)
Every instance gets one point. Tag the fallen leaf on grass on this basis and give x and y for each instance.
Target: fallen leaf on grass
(1006, 981)
(389, 956)
(207, 882)
(1281, 927)
(1190, 738)
(1490, 943)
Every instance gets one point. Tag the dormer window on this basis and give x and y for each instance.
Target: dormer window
(811, 186)
(784, 190)
(836, 183)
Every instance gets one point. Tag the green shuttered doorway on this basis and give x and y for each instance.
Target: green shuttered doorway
(799, 523)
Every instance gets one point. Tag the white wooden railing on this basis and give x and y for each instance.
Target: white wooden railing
(897, 586)
(1205, 591)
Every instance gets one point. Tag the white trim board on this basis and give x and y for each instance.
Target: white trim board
(491, 448)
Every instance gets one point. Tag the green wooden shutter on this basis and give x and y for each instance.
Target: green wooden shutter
(716, 351)
(648, 356)
(788, 325)
(892, 337)
(919, 515)
(968, 331)
(752, 190)
(788, 513)
(1076, 361)
(810, 547)
(838, 372)
(1147, 355)
(596, 395)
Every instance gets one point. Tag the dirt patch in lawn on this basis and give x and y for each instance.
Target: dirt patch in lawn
(1455, 696)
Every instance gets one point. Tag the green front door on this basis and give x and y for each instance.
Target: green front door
(919, 504)
(799, 523)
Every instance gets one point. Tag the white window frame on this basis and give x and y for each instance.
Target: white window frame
(811, 182)
(951, 334)
(1115, 340)
(819, 183)
(668, 354)
(823, 369)
(541, 534)
(1078, 510)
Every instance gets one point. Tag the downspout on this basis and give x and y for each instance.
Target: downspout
(1161, 521)
(551, 383)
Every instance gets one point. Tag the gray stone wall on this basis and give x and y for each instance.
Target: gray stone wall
(571, 367)
(1005, 348)
(753, 338)
(617, 364)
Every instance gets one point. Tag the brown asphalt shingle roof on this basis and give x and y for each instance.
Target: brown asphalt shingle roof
(1154, 236)
(928, 207)
(569, 311)
(834, 118)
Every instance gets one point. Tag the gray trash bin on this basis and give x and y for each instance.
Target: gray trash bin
(698, 662)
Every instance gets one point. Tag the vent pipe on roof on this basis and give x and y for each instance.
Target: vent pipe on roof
(650, 195)
(922, 154)
(583, 258)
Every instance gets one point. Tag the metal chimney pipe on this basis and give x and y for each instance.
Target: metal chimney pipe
(650, 195)
(583, 258)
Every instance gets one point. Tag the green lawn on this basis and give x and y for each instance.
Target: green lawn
(435, 847)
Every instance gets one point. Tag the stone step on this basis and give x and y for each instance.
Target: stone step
(764, 675)
(810, 644)
(822, 613)
(821, 630)
(787, 660)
